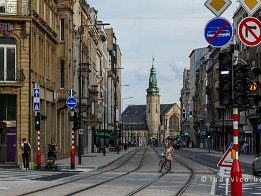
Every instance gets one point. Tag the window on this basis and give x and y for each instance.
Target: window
(44, 10)
(51, 18)
(62, 30)
(7, 60)
(8, 7)
(8, 107)
(38, 6)
(62, 73)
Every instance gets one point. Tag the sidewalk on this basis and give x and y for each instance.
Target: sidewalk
(243, 158)
(92, 161)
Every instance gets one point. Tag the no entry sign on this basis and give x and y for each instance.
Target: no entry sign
(249, 31)
(218, 32)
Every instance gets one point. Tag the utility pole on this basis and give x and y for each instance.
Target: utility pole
(80, 95)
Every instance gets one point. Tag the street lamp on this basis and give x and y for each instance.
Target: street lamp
(122, 99)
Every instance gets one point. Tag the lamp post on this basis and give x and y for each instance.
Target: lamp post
(122, 99)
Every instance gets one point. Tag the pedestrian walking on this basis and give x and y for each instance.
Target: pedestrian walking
(125, 146)
(26, 148)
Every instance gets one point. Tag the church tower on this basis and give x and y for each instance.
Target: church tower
(153, 105)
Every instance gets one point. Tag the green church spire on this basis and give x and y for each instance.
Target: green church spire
(153, 89)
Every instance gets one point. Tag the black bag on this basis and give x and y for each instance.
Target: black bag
(26, 148)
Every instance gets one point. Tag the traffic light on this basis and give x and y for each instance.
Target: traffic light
(190, 114)
(76, 121)
(225, 79)
(245, 85)
(184, 114)
(253, 85)
(43, 117)
(119, 134)
(37, 121)
(240, 75)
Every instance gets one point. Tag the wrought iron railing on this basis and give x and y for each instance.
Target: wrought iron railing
(12, 76)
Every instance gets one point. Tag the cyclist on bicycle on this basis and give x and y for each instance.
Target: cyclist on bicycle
(169, 153)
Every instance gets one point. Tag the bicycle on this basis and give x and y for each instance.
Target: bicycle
(164, 164)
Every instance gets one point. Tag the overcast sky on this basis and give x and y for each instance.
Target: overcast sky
(168, 30)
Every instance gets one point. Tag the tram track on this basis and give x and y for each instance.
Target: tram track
(111, 179)
(148, 183)
(81, 178)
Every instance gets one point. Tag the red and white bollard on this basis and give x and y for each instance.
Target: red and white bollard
(38, 156)
(236, 172)
(72, 152)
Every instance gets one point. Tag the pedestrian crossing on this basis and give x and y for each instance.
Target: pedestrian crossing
(249, 187)
(17, 175)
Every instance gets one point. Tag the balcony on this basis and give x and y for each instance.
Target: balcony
(15, 7)
(12, 76)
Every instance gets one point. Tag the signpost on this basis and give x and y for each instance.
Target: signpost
(225, 165)
(36, 104)
(218, 32)
(249, 31)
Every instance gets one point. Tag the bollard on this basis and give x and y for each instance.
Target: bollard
(236, 179)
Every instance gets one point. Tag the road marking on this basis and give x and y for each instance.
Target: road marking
(4, 188)
(213, 188)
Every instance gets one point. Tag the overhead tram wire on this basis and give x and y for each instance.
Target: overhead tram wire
(156, 18)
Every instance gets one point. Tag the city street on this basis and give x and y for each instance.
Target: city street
(135, 173)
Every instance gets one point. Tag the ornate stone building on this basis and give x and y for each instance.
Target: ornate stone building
(151, 123)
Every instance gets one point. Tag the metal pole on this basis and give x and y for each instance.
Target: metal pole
(38, 151)
(72, 146)
(236, 172)
(223, 131)
(80, 97)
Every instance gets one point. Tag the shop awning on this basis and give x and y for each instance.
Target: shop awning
(101, 134)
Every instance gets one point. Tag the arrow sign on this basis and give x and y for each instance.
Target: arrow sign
(71, 92)
(36, 92)
(249, 31)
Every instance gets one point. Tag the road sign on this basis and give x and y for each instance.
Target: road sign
(225, 171)
(251, 6)
(226, 160)
(218, 32)
(71, 92)
(80, 131)
(217, 7)
(36, 107)
(225, 163)
(71, 102)
(249, 31)
(36, 104)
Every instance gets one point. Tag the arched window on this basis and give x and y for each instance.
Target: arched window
(7, 59)
(62, 64)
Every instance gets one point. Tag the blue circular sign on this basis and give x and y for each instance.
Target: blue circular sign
(218, 32)
(71, 102)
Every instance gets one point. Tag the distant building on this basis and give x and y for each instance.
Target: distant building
(153, 122)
